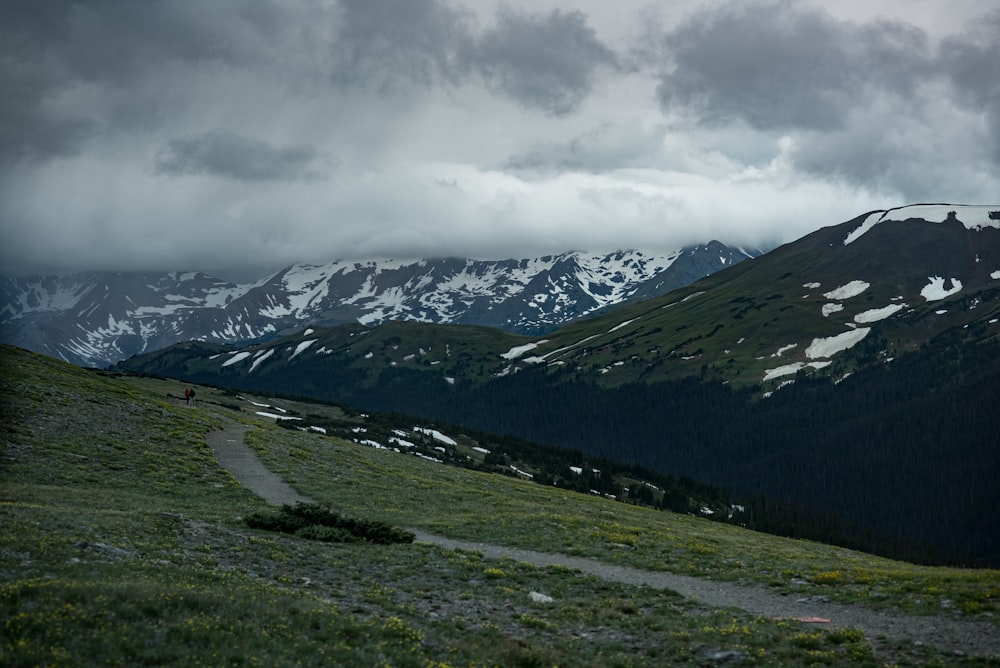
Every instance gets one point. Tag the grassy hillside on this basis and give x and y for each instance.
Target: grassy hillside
(124, 543)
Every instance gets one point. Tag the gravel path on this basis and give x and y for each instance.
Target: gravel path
(240, 460)
(961, 637)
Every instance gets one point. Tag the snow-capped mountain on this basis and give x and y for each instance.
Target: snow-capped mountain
(95, 319)
(881, 285)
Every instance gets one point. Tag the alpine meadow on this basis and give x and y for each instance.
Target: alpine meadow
(128, 543)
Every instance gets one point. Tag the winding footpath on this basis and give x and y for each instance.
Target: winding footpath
(961, 637)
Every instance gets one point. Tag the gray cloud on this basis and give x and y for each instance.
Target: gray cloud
(547, 62)
(972, 62)
(73, 70)
(393, 44)
(223, 153)
(783, 65)
(610, 146)
(542, 61)
(204, 134)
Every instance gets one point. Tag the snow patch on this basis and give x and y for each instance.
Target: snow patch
(995, 275)
(771, 374)
(784, 349)
(237, 357)
(777, 372)
(848, 290)
(935, 289)
(831, 308)
(302, 346)
(811, 286)
(436, 435)
(260, 358)
(619, 326)
(275, 416)
(829, 346)
(876, 314)
(517, 351)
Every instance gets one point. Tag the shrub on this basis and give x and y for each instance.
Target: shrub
(327, 534)
(312, 521)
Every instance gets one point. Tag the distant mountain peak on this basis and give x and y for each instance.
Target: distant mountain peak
(96, 319)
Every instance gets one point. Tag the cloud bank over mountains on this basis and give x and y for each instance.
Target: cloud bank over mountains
(232, 136)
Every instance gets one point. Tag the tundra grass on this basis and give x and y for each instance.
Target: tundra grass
(471, 505)
(123, 544)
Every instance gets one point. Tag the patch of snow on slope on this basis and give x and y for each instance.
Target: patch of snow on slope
(971, 216)
(559, 351)
(274, 416)
(935, 289)
(619, 326)
(237, 357)
(436, 435)
(260, 358)
(784, 349)
(871, 221)
(848, 290)
(517, 351)
(829, 309)
(876, 314)
(787, 369)
(302, 346)
(811, 286)
(829, 346)
(995, 274)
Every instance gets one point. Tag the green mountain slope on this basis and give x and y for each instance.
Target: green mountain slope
(852, 372)
(124, 543)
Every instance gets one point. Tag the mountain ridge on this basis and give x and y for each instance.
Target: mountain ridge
(98, 318)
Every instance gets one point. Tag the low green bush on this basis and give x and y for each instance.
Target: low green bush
(312, 521)
(327, 534)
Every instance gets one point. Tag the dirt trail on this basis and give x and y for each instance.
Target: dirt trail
(240, 460)
(968, 637)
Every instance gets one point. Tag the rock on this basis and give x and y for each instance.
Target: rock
(730, 657)
(111, 549)
(538, 597)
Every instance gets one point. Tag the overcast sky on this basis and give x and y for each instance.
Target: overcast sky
(236, 137)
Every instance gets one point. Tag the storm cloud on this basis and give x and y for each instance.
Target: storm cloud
(234, 136)
(229, 155)
(547, 62)
(786, 66)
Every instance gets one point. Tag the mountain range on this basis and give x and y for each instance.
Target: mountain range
(98, 318)
(884, 283)
(853, 371)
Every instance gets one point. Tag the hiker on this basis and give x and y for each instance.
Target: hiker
(192, 395)
(187, 395)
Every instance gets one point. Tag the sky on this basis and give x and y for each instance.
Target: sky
(237, 137)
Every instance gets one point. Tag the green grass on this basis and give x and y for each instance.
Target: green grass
(123, 543)
(482, 507)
